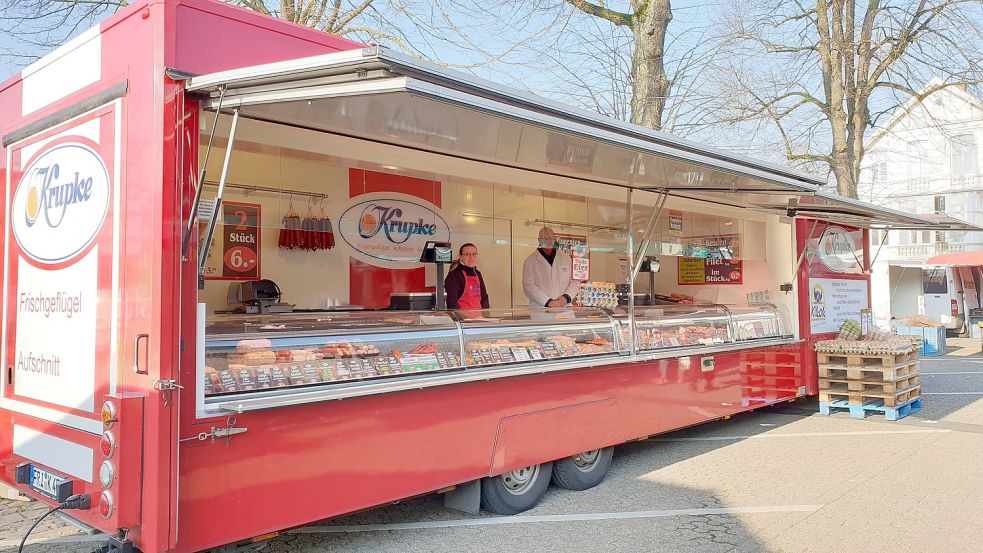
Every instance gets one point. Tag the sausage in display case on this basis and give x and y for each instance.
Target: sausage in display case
(251, 353)
(503, 337)
(671, 326)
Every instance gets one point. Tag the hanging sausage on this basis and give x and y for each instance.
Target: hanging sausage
(289, 228)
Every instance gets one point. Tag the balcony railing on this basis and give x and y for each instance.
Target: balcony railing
(920, 186)
(921, 252)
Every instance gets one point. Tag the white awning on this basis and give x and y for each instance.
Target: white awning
(390, 98)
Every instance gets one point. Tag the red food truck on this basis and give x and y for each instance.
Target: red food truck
(223, 253)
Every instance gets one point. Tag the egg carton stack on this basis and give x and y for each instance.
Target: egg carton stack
(598, 294)
(869, 376)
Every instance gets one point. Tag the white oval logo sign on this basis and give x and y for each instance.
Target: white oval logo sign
(60, 203)
(838, 251)
(391, 229)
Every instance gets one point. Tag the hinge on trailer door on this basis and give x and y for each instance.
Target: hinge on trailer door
(165, 387)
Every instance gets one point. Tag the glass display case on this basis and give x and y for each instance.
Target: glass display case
(752, 322)
(672, 326)
(248, 353)
(257, 352)
(516, 336)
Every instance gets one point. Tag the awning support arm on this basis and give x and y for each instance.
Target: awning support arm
(629, 251)
(878, 252)
(201, 181)
(805, 247)
(647, 235)
(206, 245)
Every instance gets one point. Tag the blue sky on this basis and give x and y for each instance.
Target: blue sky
(594, 55)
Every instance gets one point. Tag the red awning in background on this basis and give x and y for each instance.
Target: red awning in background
(959, 259)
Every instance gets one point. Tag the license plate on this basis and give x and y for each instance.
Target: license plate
(47, 483)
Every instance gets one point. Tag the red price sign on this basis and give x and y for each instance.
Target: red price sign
(241, 242)
(240, 259)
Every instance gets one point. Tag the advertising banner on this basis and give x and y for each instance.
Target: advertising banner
(697, 271)
(575, 245)
(833, 301)
(60, 288)
(675, 223)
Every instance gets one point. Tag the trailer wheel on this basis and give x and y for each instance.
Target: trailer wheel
(515, 491)
(584, 470)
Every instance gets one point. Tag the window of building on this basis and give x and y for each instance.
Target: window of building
(916, 159)
(963, 155)
(940, 204)
(926, 237)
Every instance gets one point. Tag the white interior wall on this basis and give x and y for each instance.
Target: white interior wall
(497, 213)
(905, 290)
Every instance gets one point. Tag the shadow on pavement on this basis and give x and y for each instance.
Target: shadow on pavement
(618, 494)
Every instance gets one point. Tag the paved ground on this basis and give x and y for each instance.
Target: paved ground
(779, 480)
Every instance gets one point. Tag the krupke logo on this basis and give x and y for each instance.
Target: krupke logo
(63, 197)
(388, 220)
(391, 229)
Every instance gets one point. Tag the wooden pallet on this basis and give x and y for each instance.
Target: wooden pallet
(892, 399)
(859, 372)
(871, 384)
(861, 411)
(865, 360)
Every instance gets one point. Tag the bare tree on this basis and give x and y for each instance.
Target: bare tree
(33, 27)
(821, 72)
(648, 21)
(330, 16)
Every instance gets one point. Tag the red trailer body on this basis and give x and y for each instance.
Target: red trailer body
(110, 103)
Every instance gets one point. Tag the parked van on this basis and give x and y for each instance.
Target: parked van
(943, 298)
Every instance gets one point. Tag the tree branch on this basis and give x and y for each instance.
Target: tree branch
(618, 18)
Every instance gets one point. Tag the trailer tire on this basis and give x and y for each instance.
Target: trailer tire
(584, 470)
(515, 491)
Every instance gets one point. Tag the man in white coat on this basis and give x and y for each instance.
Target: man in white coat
(546, 274)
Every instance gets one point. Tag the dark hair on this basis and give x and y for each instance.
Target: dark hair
(461, 249)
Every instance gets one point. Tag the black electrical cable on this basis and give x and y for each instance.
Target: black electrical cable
(33, 526)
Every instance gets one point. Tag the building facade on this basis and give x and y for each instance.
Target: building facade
(925, 160)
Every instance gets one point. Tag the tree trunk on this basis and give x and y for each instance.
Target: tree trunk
(650, 87)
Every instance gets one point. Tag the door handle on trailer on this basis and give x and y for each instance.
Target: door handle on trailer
(136, 353)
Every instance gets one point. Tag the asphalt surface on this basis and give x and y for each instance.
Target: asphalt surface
(781, 479)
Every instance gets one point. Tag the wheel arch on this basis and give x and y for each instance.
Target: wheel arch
(540, 436)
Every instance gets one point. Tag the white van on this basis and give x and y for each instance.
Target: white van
(943, 297)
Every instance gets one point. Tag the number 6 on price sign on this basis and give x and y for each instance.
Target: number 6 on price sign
(241, 242)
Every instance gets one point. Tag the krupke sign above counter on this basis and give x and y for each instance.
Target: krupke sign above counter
(391, 228)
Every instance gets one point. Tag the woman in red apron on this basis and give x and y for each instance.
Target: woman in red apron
(464, 284)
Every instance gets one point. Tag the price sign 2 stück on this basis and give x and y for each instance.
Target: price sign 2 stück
(241, 234)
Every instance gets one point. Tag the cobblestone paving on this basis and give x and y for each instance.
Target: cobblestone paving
(687, 475)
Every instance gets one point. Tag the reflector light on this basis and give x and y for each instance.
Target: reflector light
(107, 444)
(106, 504)
(108, 415)
(107, 474)
(955, 308)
